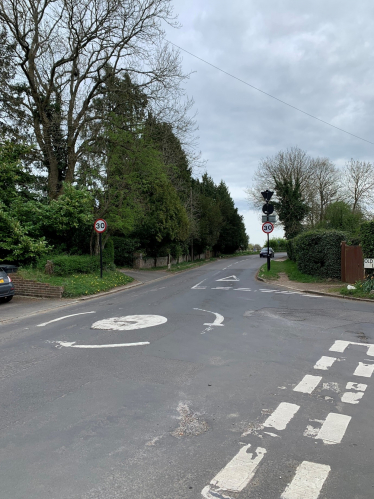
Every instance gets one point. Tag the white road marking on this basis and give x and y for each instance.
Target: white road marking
(268, 290)
(242, 289)
(271, 434)
(352, 397)
(236, 474)
(223, 288)
(197, 286)
(360, 387)
(307, 482)
(129, 322)
(229, 278)
(365, 370)
(334, 428)
(65, 317)
(331, 385)
(217, 321)
(307, 384)
(324, 363)
(282, 416)
(341, 345)
(313, 296)
(72, 344)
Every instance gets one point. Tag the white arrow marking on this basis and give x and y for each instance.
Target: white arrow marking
(72, 344)
(65, 317)
(229, 278)
(217, 321)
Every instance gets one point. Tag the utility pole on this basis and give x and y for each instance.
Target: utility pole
(267, 209)
(192, 228)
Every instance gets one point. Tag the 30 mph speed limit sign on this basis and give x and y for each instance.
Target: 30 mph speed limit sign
(267, 227)
(100, 226)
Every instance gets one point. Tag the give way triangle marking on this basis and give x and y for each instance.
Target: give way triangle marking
(229, 278)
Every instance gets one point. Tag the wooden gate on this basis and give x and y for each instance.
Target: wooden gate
(352, 263)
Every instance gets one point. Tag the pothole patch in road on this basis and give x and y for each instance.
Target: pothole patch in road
(190, 423)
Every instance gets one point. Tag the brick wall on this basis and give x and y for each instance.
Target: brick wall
(26, 287)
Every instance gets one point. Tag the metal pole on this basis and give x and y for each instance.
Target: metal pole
(268, 255)
(101, 257)
(267, 218)
(192, 229)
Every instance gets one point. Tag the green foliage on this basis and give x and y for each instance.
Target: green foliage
(64, 265)
(124, 249)
(367, 239)
(340, 216)
(290, 206)
(287, 267)
(277, 243)
(108, 253)
(318, 252)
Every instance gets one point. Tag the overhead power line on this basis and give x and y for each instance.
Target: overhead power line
(269, 95)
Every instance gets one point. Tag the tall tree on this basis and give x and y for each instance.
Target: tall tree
(62, 48)
(358, 182)
(290, 206)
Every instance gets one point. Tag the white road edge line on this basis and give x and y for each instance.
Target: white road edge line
(282, 416)
(307, 482)
(236, 474)
(333, 429)
(217, 321)
(65, 317)
(307, 384)
(324, 363)
(72, 344)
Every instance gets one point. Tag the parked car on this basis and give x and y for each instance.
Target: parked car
(264, 253)
(6, 287)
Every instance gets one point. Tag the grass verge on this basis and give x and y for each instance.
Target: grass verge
(79, 284)
(357, 293)
(290, 269)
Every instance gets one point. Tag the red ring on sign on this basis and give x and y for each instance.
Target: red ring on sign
(101, 220)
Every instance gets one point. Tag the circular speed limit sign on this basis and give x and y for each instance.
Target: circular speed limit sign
(100, 226)
(267, 227)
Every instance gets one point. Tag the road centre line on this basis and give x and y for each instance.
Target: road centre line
(334, 428)
(65, 317)
(282, 415)
(307, 482)
(365, 370)
(324, 363)
(307, 384)
(223, 288)
(236, 474)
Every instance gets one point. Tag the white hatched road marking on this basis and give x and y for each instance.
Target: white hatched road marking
(308, 481)
(324, 363)
(197, 286)
(65, 317)
(360, 387)
(307, 384)
(229, 278)
(341, 345)
(282, 416)
(236, 474)
(365, 370)
(334, 428)
(352, 397)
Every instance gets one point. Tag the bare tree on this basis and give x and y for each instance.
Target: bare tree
(358, 183)
(62, 50)
(323, 189)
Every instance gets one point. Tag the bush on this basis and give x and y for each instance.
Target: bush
(64, 265)
(277, 243)
(290, 250)
(367, 239)
(108, 253)
(318, 252)
(123, 250)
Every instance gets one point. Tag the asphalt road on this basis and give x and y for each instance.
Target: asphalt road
(206, 408)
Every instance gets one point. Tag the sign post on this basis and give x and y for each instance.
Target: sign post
(268, 227)
(100, 226)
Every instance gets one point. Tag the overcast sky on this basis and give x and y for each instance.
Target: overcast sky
(317, 56)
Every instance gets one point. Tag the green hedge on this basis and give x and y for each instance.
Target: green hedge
(75, 264)
(367, 239)
(318, 252)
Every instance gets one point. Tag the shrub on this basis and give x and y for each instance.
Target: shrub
(367, 239)
(124, 248)
(64, 265)
(108, 253)
(318, 252)
(290, 250)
